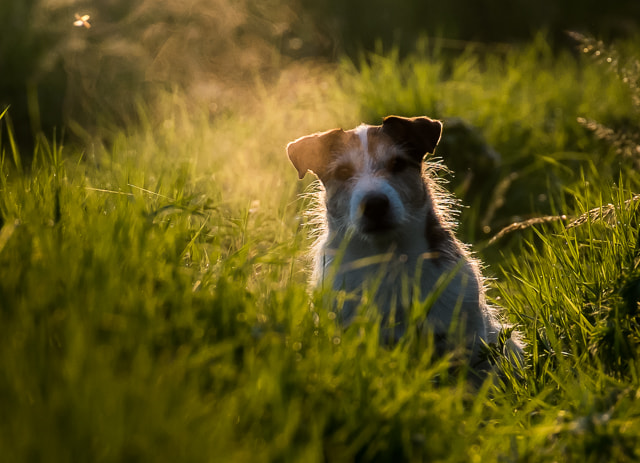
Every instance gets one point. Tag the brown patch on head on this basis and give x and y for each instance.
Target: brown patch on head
(318, 152)
(347, 161)
(368, 148)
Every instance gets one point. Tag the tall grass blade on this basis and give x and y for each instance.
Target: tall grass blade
(12, 142)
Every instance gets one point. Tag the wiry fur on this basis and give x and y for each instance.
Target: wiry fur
(387, 231)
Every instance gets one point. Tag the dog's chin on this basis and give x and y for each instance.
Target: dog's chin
(379, 233)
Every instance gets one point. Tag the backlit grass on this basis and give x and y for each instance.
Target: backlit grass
(153, 299)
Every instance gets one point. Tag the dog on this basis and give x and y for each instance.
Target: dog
(388, 234)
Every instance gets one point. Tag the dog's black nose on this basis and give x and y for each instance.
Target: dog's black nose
(375, 207)
(375, 212)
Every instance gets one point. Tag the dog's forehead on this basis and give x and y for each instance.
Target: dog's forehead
(367, 143)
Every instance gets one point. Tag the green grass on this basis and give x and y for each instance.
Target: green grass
(153, 300)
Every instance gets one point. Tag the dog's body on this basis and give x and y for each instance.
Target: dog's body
(387, 233)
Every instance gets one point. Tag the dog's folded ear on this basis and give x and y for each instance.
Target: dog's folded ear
(314, 152)
(419, 134)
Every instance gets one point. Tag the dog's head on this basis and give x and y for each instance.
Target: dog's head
(372, 174)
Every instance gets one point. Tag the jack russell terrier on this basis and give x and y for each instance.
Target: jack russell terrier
(388, 235)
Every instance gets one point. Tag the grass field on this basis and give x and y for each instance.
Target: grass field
(153, 300)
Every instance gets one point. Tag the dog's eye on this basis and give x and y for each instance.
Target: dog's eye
(397, 165)
(343, 173)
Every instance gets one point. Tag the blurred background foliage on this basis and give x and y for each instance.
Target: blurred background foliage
(53, 74)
